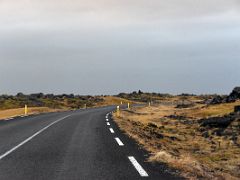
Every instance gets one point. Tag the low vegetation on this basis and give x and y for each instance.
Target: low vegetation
(13, 105)
(162, 97)
(63, 101)
(4, 114)
(201, 140)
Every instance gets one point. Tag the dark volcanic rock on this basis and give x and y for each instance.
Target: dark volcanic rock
(228, 126)
(218, 122)
(237, 109)
(152, 125)
(205, 134)
(217, 100)
(176, 117)
(234, 95)
(184, 105)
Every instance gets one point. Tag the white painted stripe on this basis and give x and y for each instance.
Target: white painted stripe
(8, 119)
(106, 119)
(138, 167)
(31, 137)
(120, 143)
(111, 130)
(108, 123)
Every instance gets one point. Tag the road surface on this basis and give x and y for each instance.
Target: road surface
(82, 145)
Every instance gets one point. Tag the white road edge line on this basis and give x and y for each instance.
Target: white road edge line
(8, 119)
(138, 167)
(111, 130)
(108, 123)
(31, 137)
(120, 143)
(106, 119)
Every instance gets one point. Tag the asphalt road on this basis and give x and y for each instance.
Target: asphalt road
(82, 144)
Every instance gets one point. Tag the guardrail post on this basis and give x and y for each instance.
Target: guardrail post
(128, 106)
(118, 111)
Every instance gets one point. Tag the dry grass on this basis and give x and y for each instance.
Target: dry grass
(209, 111)
(109, 100)
(20, 111)
(180, 143)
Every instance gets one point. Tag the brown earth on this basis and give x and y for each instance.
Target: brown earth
(175, 136)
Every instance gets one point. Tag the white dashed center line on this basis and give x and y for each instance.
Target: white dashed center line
(120, 143)
(138, 167)
(111, 130)
(134, 162)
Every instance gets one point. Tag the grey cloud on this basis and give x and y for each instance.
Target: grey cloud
(108, 46)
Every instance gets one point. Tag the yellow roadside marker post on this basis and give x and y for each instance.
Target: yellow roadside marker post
(85, 106)
(128, 106)
(118, 111)
(26, 110)
(121, 102)
(149, 104)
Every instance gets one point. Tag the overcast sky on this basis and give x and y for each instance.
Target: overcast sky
(112, 46)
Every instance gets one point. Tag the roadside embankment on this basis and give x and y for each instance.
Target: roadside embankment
(4, 114)
(188, 139)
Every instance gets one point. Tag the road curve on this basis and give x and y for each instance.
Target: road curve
(82, 144)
